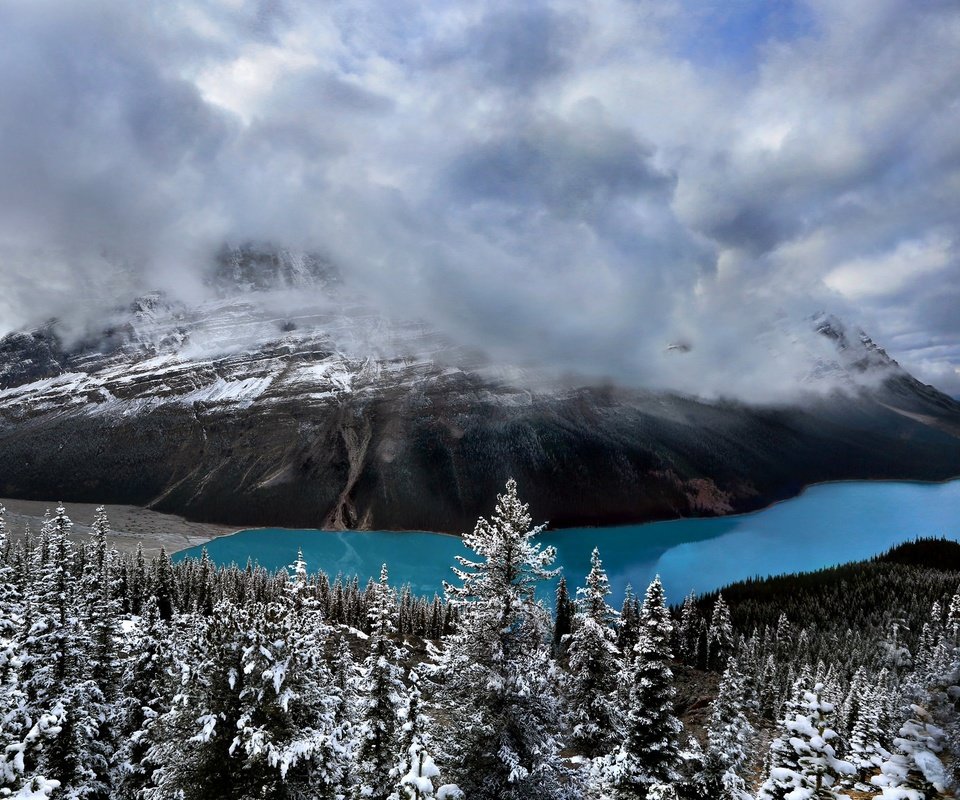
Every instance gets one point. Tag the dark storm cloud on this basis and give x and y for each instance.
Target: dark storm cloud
(515, 46)
(570, 169)
(575, 185)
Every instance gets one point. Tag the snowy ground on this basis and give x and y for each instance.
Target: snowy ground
(132, 525)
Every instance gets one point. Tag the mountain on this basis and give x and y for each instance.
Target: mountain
(258, 406)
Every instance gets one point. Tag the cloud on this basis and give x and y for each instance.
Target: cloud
(570, 185)
(891, 272)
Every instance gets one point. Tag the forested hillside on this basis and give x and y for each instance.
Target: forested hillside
(122, 678)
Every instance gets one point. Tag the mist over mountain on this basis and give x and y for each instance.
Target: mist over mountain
(414, 267)
(605, 247)
(572, 186)
(286, 398)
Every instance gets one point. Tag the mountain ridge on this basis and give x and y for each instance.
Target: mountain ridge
(248, 409)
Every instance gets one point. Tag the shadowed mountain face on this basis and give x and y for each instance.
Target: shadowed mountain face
(243, 410)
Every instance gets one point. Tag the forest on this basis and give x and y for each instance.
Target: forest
(126, 678)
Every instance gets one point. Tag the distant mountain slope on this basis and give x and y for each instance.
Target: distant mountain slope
(239, 410)
(865, 597)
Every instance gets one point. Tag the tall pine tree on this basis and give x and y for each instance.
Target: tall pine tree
(496, 669)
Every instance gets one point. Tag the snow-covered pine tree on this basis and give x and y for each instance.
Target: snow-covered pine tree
(953, 620)
(857, 694)
(720, 639)
(190, 742)
(693, 768)
(287, 740)
(628, 623)
(818, 770)
(564, 610)
(146, 692)
(9, 606)
(99, 583)
(411, 728)
(915, 771)
(590, 683)
(650, 753)
(866, 751)
(55, 685)
(382, 694)
(203, 592)
(496, 669)
(728, 737)
(896, 654)
(335, 608)
(26, 728)
(785, 643)
(97, 692)
(435, 620)
(768, 690)
(163, 585)
(781, 755)
(137, 583)
(417, 774)
(688, 631)
(748, 655)
(345, 679)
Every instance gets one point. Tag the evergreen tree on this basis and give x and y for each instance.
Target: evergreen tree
(163, 585)
(768, 689)
(417, 773)
(10, 607)
(28, 720)
(286, 734)
(191, 742)
(147, 690)
(104, 610)
(496, 668)
(857, 694)
(688, 631)
(866, 752)
(383, 692)
(137, 583)
(55, 685)
(782, 757)
(628, 623)
(649, 754)
(728, 737)
(590, 683)
(818, 770)
(914, 771)
(345, 678)
(953, 620)
(719, 636)
(563, 616)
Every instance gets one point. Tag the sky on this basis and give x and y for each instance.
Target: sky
(576, 185)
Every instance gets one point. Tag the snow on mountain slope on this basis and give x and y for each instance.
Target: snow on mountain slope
(257, 406)
(227, 352)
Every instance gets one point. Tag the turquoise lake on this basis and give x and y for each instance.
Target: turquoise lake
(826, 525)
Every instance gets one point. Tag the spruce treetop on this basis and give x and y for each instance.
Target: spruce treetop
(593, 597)
(513, 565)
(655, 621)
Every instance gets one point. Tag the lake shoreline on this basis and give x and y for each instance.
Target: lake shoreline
(137, 525)
(735, 515)
(833, 523)
(130, 526)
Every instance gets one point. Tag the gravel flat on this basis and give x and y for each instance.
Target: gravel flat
(130, 525)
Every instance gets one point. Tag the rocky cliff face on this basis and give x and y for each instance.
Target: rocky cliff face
(232, 411)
